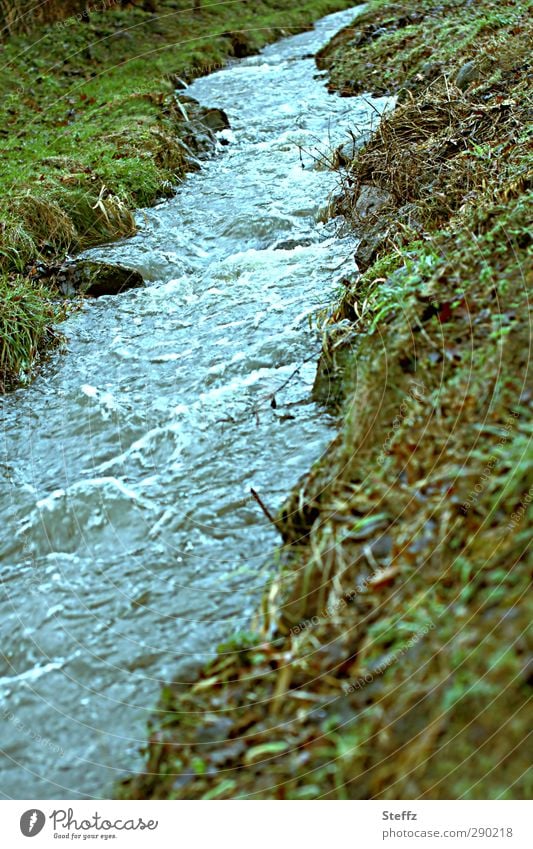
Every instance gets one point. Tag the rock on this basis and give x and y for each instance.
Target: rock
(86, 277)
(371, 241)
(214, 119)
(291, 244)
(200, 125)
(192, 160)
(469, 73)
(186, 98)
(430, 70)
(409, 215)
(338, 205)
(198, 138)
(371, 200)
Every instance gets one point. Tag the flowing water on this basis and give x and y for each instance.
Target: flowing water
(130, 544)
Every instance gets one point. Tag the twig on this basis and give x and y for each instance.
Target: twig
(264, 508)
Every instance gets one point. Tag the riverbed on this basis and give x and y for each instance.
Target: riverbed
(130, 543)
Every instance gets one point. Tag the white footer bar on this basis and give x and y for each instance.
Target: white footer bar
(268, 824)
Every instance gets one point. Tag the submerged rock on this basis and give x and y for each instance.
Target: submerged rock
(214, 119)
(87, 277)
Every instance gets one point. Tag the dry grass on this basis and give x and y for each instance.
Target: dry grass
(434, 155)
(51, 227)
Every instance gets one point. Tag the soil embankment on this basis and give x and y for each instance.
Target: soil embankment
(391, 658)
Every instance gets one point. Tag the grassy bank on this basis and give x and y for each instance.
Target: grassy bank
(90, 130)
(391, 657)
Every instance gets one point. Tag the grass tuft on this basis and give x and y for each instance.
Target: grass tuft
(26, 319)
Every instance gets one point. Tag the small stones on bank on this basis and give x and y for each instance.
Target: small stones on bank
(371, 200)
(200, 126)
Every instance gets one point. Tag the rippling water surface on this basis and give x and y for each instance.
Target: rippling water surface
(130, 545)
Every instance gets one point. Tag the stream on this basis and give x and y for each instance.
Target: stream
(130, 544)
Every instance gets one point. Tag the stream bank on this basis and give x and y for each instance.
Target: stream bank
(131, 543)
(391, 656)
(92, 130)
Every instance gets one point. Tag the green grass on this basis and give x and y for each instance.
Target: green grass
(88, 120)
(26, 318)
(408, 53)
(88, 107)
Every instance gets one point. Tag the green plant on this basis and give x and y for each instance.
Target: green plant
(26, 316)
